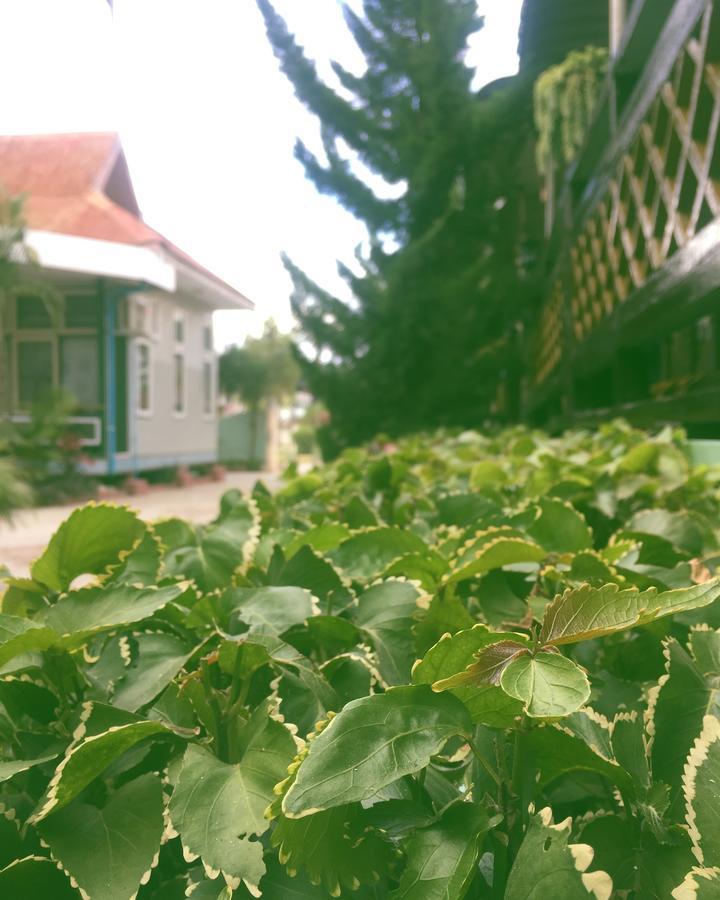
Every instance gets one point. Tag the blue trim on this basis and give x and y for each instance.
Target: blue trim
(126, 464)
(110, 377)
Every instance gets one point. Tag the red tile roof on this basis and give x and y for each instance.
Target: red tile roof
(68, 179)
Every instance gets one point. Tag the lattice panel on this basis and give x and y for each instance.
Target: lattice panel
(550, 334)
(665, 188)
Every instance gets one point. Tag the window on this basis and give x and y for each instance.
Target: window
(208, 388)
(81, 311)
(35, 365)
(207, 338)
(31, 312)
(144, 377)
(80, 369)
(179, 328)
(179, 384)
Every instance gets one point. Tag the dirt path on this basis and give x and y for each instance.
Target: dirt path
(22, 541)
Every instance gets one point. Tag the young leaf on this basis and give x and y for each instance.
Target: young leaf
(547, 866)
(453, 656)
(386, 613)
(586, 612)
(373, 742)
(91, 540)
(548, 684)
(491, 662)
(108, 851)
(441, 859)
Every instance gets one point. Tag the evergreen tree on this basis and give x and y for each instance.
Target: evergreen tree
(410, 352)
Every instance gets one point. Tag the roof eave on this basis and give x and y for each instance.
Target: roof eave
(207, 290)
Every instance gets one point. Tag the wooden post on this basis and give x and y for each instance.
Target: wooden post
(618, 16)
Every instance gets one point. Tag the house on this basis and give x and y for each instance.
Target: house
(629, 318)
(134, 343)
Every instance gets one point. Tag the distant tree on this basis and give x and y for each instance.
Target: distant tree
(262, 369)
(439, 286)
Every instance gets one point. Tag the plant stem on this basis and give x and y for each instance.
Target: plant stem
(484, 762)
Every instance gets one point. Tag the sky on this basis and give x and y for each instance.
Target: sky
(208, 123)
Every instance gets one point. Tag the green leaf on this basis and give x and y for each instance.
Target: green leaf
(547, 684)
(493, 549)
(367, 554)
(681, 701)
(682, 529)
(586, 612)
(560, 528)
(211, 554)
(336, 848)
(613, 840)
(446, 614)
(19, 635)
(491, 662)
(441, 859)
(90, 754)
(142, 565)
(271, 610)
(705, 649)
(322, 539)
(386, 613)
(217, 806)
(35, 876)
(89, 541)
(699, 884)
(109, 850)
(157, 658)
(84, 612)
(373, 742)
(547, 753)
(486, 703)
(629, 747)
(701, 789)
(9, 768)
(547, 866)
(308, 570)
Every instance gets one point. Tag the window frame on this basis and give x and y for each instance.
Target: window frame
(179, 354)
(54, 335)
(146, 343)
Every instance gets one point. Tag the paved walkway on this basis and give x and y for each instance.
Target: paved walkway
(24, 539)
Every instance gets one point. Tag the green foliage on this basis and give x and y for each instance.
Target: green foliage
(566, 96)
(445, 274)
(370, 681)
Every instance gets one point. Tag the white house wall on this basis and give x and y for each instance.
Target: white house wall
(162, 436)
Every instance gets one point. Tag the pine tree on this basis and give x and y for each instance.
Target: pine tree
(410, 352)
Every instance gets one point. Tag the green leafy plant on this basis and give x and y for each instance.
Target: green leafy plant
(471, 666)
(565, 100)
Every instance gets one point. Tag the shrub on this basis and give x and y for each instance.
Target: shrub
(480, 666)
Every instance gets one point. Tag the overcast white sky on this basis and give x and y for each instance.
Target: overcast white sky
(207, 122)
